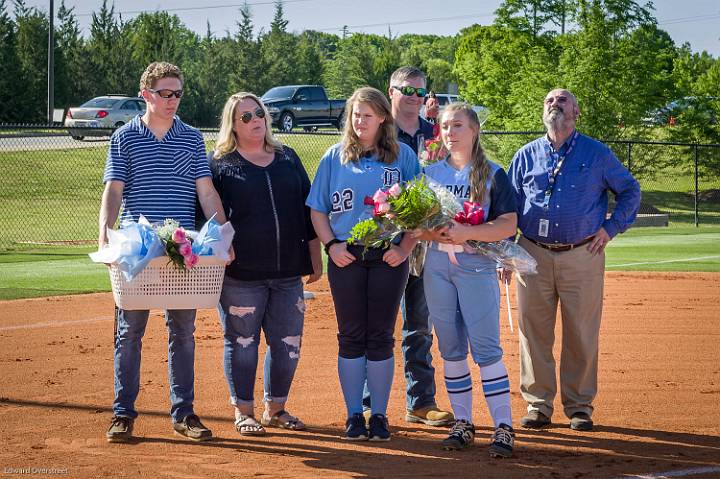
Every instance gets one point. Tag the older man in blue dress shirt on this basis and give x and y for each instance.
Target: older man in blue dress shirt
(562, 181)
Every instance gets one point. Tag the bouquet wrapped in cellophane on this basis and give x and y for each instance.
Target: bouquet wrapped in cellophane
(422, 204)
(414, 205)
(506, 254)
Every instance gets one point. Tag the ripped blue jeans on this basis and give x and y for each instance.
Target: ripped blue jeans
(277, 307)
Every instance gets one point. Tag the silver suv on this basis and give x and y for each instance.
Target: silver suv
(102, 115)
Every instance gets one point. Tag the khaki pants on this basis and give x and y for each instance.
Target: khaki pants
(576, 278)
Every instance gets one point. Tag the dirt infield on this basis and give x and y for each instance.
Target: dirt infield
(657, 410)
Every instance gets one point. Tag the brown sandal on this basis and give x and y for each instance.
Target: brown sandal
(283, 420)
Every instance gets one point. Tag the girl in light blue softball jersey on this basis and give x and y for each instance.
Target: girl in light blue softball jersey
(366, 285)
(458, 280)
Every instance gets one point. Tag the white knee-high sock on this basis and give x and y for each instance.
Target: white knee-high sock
(459, 387)
(496, 388)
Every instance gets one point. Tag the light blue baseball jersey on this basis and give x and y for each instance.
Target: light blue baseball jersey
(500, 199)
(339, 190)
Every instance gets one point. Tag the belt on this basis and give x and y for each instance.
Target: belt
(562, 247)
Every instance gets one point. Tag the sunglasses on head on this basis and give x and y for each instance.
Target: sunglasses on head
(248, 115)
(165, 93)
(411, 90)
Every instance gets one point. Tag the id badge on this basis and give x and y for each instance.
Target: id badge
(544, 227)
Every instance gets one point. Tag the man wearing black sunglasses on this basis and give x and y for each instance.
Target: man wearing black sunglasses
(407, 94)
(166, 93)
(155, 167)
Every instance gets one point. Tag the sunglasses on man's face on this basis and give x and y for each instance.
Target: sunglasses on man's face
(166, 93)
(248, 115)
(411, 90)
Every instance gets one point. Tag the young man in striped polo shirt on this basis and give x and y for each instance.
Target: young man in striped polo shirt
(156, 167)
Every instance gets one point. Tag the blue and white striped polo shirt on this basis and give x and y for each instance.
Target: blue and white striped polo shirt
(159, 175)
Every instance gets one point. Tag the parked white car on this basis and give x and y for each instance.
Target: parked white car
(102, 115)
(444, 99)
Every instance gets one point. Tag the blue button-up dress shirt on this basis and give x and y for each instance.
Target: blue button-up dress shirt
(579, 202)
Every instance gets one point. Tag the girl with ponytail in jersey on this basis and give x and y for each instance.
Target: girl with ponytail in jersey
(456, 279)
(366, 284)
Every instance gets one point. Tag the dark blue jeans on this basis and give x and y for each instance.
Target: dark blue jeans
(275, 306)
(181, 361)
(416, 344)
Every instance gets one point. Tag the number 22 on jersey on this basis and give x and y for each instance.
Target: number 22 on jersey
(342, 200)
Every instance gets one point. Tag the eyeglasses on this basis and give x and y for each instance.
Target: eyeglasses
(248, 115)
(411, 90)
(165, 93)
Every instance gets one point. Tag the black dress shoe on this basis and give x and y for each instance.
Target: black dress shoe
(581, 421)
(535, 420)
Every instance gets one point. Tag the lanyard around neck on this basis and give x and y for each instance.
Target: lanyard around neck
(553, 172)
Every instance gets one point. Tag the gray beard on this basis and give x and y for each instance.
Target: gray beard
(554, 121)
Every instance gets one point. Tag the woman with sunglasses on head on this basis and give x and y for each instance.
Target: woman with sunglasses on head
(263, 186)
(457, 280)
(366, 285)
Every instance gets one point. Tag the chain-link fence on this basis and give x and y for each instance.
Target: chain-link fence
(51, 184)
(680, 182)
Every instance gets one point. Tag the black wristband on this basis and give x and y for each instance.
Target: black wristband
(330, 243)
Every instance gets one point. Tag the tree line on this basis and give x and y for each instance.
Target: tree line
(611, 53)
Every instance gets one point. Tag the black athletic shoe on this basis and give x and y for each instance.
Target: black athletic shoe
(462, 435)
(355, 429)
(379, 429)
(502, 441)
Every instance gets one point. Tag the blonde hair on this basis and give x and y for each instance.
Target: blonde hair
(386, 145)
(226, 138)
(158, 70)
(479, 166)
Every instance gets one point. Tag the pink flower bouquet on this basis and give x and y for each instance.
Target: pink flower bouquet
(178, 244)
(421, 204)
(415, 204)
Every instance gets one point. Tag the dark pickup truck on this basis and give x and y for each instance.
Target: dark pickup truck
(303, 105)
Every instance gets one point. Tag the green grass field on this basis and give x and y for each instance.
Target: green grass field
(57, 271)
(55, 195)
(36, 273)
(666, 249)
(50, 195)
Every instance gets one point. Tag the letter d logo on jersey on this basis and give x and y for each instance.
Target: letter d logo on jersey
(390, 176)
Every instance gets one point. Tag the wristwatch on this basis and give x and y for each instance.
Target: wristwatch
(330, 243)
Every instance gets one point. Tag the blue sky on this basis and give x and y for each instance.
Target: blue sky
(693, 21)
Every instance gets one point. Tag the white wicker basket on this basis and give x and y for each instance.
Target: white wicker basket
(162, 286)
